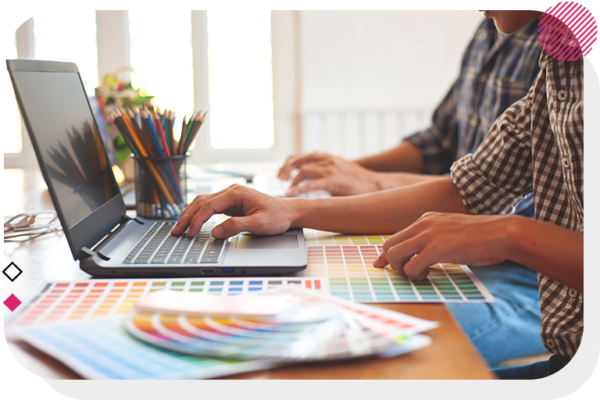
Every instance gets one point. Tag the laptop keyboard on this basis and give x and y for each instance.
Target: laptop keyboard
(158, 246)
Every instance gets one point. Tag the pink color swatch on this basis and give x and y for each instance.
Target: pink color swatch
(567, 31)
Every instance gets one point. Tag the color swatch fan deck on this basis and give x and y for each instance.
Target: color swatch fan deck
(319, 330)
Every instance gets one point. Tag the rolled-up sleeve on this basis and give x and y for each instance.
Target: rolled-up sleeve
(499, 173)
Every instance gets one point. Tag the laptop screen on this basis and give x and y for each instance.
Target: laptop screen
(68, 142)
(69, 150)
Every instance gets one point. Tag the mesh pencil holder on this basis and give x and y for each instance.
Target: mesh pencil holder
(160, 186)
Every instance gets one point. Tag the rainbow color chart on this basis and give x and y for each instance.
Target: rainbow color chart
(72, 301)
(352, 277)
(315, 237)
(102, 349)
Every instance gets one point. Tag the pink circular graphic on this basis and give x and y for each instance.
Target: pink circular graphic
(567, 31)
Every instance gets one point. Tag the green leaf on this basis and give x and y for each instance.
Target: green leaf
(122, 154)
(120, 142)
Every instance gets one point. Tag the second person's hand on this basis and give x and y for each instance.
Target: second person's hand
(475, 240)
(336, 176)
(298, 160)
(250, 211)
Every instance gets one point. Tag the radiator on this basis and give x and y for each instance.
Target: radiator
(355, 134)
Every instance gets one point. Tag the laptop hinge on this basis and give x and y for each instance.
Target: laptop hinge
(93, 253)
(127, 218)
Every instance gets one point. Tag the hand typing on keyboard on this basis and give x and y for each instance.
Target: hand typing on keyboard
(321, 172)
(159, 247)
(250, 211)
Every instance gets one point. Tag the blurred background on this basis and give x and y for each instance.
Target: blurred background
(276, 82)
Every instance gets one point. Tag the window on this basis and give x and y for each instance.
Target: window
(12, 125)
(240, 79)
(161, 58)
(188, 60)
(69, 37)
(55, 36)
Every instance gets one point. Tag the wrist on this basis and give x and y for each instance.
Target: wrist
(363, 162)
(297, 209)
(514, 236)
(380, 182)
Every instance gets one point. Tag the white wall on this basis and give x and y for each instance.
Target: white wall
(369, 78)
(356, 60)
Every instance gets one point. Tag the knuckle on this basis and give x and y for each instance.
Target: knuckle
(431, 214)
(195, 221)
(386, 246)
(231, 225)
(396, 266)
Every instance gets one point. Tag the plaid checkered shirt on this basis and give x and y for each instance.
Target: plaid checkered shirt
(537, 145)
(496, 71)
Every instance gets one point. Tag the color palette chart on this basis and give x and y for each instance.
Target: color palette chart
(71, 301)
(315, 237)
(352, 276)
(102, 349)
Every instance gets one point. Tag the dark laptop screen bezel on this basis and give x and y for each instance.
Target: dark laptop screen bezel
(92, 228)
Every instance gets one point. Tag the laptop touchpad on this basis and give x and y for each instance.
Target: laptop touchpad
(248, 241)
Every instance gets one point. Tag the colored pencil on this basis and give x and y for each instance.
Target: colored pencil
(152, 131)
(147, 118)
(196, 128)
(190, 126)
(165, 128)
(163, 139)
(149, 132)
(152, 168)
(182, 137)
(172, 116)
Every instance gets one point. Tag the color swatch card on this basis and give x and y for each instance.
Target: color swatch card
(71, 301)
(352, 276)
(392, 324)
(102, 349)
(315, 237)
(336, 337)
(322, 328)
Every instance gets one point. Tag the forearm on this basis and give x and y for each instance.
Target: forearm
(381, 212)
(405, 157)
(390, 180)
(547, 248)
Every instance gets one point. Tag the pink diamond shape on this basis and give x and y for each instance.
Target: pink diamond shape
(12, 302)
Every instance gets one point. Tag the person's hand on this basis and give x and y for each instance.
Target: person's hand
(250, 211)
(319, 171)
(297, 160)
(474, 240)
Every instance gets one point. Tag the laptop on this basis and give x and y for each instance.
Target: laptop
(90, 206)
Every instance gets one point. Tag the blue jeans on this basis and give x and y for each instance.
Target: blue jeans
(533, 371)
(510, 327)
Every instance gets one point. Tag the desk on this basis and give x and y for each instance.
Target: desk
(450, 356)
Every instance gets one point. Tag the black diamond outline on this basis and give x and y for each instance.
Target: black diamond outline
(6, 275)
